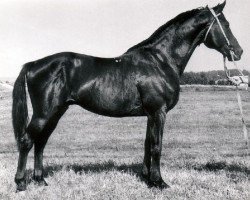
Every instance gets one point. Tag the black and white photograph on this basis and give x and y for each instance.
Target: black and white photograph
(124, 99)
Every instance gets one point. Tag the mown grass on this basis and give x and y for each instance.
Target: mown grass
(93, 157)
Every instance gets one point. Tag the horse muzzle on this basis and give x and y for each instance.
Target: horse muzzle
(231, 53)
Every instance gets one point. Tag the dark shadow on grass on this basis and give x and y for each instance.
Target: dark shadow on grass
(95, 168)
(236, 172)
(216, 166)
(134, 169)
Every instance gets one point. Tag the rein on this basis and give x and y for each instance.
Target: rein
(236, 81)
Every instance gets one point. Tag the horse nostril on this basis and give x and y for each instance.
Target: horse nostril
(241, 52)
(238, 53)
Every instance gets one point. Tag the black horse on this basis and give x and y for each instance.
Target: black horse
(144, 81)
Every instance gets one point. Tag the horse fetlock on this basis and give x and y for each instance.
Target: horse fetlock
(145, 172)
(155, 176)
(38, 173)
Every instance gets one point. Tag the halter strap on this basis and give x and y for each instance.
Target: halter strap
(211, 25)
(218, 21)
(208, 30)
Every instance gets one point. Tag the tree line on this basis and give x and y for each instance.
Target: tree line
(215, 77)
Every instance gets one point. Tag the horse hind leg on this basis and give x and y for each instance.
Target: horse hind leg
(25, 146)
(36, 128)
(42, 129)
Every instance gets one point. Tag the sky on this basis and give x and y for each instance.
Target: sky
(33, 29)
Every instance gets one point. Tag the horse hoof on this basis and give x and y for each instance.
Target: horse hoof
(21, 184)
(21, 187)
(158, 184)
(40, 181)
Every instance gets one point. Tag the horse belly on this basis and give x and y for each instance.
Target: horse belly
(112, 99)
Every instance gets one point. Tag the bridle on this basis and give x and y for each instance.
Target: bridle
(222, 30)
(231, 79)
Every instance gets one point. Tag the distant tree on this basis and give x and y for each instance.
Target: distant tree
(211, 82)
(209, 78)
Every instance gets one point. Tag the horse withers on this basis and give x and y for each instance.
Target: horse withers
(144, 81)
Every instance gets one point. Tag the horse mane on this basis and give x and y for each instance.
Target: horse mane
(178, 19)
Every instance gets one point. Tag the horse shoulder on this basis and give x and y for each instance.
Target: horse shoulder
(157, 90)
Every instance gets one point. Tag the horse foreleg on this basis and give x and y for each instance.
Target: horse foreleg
(147, 152)
(156, 130)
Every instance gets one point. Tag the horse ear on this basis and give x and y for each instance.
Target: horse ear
(219, 8)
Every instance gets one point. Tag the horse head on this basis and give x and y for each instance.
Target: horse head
(219, 35)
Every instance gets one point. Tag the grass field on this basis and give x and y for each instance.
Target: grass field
(94, 157)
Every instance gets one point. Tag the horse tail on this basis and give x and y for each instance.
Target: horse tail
(19, 106)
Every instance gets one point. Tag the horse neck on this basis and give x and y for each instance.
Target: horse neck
(178, 43)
